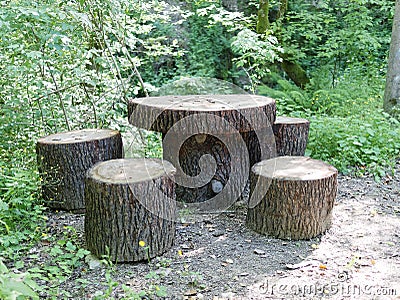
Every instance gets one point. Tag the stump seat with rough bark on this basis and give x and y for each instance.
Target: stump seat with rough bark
(291, 136)
(212, 140)
(64, 158)
(299, 198)
(128, 201)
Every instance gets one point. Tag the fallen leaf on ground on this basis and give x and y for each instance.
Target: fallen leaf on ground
(314, 246)
(322, 267)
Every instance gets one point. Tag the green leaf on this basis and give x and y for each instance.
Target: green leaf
(19, 288)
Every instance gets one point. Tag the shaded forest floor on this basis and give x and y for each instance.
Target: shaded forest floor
(358, 258)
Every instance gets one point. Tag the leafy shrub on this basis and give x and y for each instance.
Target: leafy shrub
(370, 144)
(348, 126)
(20, 210)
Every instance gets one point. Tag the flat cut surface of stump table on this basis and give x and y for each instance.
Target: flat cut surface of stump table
(161, 113)
(291, 197)
(130, 171)
(236, 130)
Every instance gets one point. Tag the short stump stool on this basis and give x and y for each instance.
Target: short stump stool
(291, 136)
(130, 201)
(291, 197)
(64, 158)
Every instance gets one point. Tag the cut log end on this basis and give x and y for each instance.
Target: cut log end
(290, 120)
(243, 112)
(299, 198)
(78, 136)
(130, 171)
(294, 168)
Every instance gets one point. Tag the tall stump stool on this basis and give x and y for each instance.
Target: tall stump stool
(128, 201)
(64, 158)
(299, 199)
(291, 136)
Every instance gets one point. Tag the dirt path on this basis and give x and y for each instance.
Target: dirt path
(358, 258)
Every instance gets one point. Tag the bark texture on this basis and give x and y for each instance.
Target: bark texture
(64, 158)
(195, 126)
(392, 90)
(291, 136)
(299, 199)
(128, 201)
(295, 72)
(227, 166)
(262, 17)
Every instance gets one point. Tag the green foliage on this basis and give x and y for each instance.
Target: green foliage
(63, 256)
(340, 34)
(207, 31)
(16, 286)
(73, 64)
(153, 145)
(369, 144)
(20, 212)
(348, 126)
(256, 53)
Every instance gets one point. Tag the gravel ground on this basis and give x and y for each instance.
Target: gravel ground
(217, 257)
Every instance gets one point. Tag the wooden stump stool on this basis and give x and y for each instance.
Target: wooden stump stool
(64, 158)
(299, 200)
(291, 136)
(128, 201)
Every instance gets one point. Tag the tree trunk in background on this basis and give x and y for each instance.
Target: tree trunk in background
(293, 70)
(262, 19)
(392, 90)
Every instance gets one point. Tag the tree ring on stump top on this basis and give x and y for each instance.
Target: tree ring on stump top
(241, 111)
(290, 120)
(294, 168)
(77, 136)
(128, 171)
(205, 103)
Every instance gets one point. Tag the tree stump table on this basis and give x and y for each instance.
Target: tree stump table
(129, 201)
(64, 158)
(212, 140)
(299, 198)
(291, 136)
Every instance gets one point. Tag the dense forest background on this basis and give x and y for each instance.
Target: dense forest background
(73, 64)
